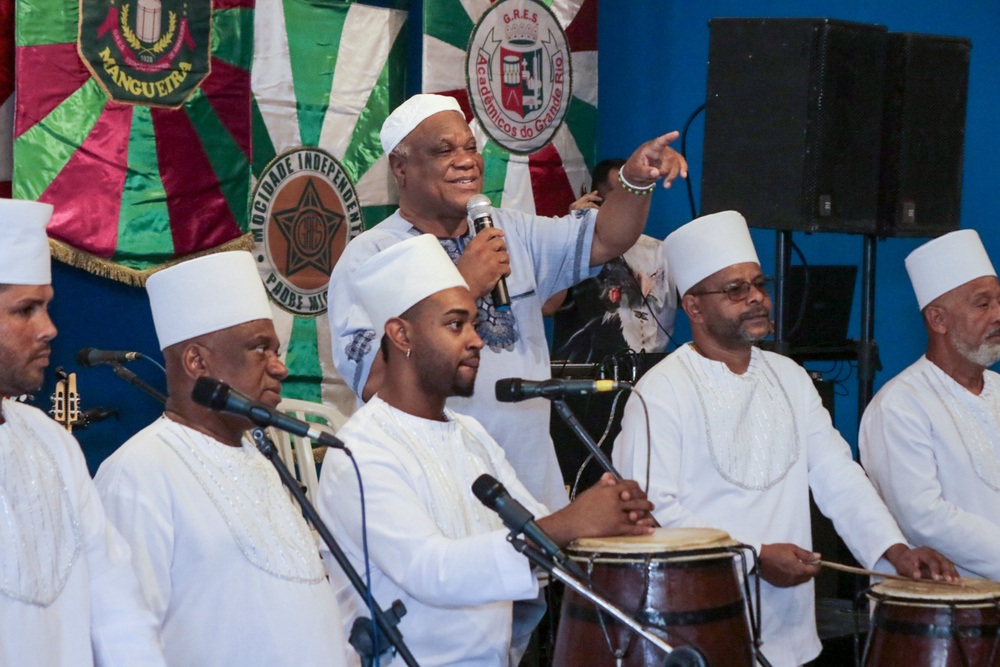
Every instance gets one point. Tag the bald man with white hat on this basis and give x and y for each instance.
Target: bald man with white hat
(740, 437)
(432, 544)
(226, 561)
(437, 166)
(930, 439)
(68, 595)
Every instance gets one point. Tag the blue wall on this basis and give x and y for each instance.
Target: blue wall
(653, 71)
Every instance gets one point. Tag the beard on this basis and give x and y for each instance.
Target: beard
(440, 378)
(736, 330)
(984, 354)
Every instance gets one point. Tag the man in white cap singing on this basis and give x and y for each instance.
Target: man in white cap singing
(930, 439)
(437, 166)
(229, 566)
(68, 595)
(432, 544)
(740, 437)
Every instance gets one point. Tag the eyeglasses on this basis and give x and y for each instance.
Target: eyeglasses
(739, 291)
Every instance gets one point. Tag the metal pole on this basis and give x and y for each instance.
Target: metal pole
(782, 260)
(867, 348)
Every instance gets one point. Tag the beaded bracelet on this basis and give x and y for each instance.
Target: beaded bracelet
(634, 189)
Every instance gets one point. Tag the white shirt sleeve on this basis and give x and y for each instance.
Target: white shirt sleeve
(354, 340)
(841, 489)
(123, 631)
(897, 450)
(409, 548)
(139, 506)
(559, 248)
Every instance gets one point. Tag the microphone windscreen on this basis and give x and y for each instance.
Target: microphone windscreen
(478, 206)
(487, 488)
(83, 357)
(508, 390)
(210, 392)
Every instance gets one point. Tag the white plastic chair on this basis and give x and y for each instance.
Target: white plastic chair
(297, 452)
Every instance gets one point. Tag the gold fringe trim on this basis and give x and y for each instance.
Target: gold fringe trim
(105, 268)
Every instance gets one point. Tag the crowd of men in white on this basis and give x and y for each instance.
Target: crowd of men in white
(186, 550)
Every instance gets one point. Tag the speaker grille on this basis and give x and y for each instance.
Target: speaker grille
(792, 126)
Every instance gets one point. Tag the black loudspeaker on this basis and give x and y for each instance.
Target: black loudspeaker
(793, 123)
(923, 134)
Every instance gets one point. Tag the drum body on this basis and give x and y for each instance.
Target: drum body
(920, 624)
(681, 583)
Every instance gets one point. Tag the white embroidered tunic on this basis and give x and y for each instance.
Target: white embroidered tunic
(431, 542)
(932, 448)
(740, 453)
(67, 590)
(227, 562)
(546, 255)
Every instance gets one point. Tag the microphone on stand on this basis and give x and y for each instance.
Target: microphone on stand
(481, 214)
(518, 519)
(513, 390)
(219, 396)
(89, 357)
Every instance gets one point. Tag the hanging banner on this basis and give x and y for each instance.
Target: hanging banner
(325, 76)
(525, 73)
(6, 95)
(133, 120)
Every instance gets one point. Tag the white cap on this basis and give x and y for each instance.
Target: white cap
(706, 245)
(24, 245)
(947, 262)
(206, 294)
(389, 283)
(411, 113)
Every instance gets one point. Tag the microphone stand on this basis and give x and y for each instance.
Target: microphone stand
(567, 416)
(677, 656)
(136, 381)
(386, 621)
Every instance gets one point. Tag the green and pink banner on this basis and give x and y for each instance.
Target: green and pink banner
(133, 119)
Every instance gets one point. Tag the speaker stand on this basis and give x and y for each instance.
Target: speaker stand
(866, 350)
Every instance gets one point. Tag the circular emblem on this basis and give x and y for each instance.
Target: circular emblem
(519, 74)
(304, 211)
(148, 52)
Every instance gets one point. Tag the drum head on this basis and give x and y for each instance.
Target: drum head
(662, 540)
(968, 590)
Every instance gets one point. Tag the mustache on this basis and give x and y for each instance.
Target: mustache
(45, 349)
(756, 312)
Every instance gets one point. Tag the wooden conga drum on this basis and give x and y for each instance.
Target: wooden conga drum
(681, 583)
(921, 624)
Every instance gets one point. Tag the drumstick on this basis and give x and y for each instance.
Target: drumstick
(871, 573)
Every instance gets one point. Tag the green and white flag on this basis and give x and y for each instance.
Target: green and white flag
(325, 75)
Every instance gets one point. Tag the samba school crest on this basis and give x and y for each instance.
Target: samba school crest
(303, 212)
(519, 74)
(146, 52)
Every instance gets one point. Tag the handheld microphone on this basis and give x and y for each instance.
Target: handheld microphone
(518, 519)
(481, 214)
(88, 357)
(217, 395)
(513, 390)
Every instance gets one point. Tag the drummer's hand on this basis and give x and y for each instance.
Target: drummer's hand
(786, 565)
(610, 507)
(629, 489)
(920, 563)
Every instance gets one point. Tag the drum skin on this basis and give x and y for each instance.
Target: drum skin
(693, 598)
(933, 632)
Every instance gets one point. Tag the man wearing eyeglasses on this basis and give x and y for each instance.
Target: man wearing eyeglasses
(739, 437)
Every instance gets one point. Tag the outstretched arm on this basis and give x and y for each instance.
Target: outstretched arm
(622, 217)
